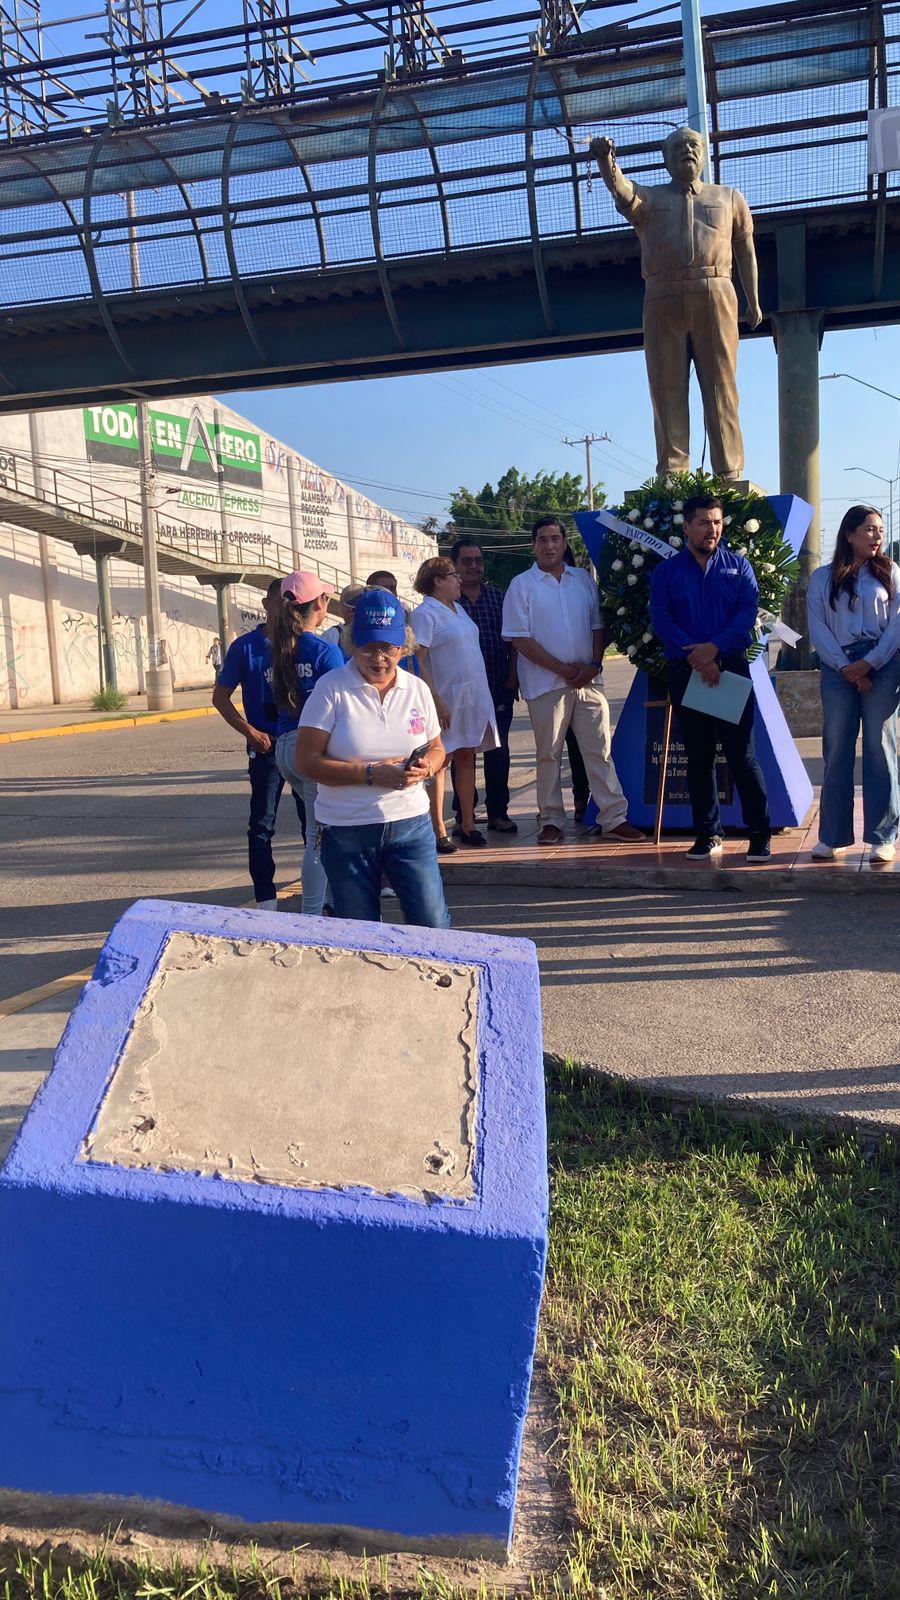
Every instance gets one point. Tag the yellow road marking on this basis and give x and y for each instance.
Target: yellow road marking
(44, 991)
(106, 727)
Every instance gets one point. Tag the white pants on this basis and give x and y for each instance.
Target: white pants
(588, 712)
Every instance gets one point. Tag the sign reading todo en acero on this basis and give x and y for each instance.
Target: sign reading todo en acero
(185, 445)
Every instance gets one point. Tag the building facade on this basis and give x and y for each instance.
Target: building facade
(226, 495)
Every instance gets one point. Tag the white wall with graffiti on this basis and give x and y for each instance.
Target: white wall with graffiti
(223, 492)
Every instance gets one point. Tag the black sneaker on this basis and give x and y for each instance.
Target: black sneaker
(760, 848)
(702, 849)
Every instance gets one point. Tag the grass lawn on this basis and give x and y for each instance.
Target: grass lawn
(721, 1328)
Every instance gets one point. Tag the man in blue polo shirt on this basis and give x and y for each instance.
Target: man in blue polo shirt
(248, 666)
(703, 606)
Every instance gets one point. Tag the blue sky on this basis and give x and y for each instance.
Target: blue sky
(430, 434)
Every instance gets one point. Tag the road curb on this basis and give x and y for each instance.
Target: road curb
(106, 727)
(702, 879)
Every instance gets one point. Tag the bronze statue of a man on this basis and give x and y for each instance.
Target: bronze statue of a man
(688, 230)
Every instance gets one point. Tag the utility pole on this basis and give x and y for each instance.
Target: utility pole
(159, 678)
(587, 439)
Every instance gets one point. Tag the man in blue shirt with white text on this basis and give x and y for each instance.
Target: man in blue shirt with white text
(703, 607)
(248, 666)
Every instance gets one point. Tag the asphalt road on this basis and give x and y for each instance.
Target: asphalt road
(787, 999)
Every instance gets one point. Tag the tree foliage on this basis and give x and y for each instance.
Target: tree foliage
(503, 514)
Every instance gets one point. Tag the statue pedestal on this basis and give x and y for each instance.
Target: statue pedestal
(637, 749)
(637, 742)
(800, 698)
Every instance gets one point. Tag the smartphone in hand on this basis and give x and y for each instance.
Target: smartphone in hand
(416, 757)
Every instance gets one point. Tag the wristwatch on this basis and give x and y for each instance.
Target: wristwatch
(370, 768)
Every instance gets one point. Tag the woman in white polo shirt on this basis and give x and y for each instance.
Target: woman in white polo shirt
(369, 736)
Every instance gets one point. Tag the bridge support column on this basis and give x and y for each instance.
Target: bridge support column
(798, 337)
(106, 622)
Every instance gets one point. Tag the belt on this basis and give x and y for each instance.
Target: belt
(685, 275)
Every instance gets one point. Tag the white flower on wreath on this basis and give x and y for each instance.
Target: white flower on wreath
(632, 577)
(727, 521)
(741, 550)
(678, 519)
(649, 522)
(768, 567)
(631, 650)
(752, 526)
(678, 505)
(676, 542)
(634, 545)
(622, 611)
(618, 566)
(637, 561)
(633, 514)
(648, 638)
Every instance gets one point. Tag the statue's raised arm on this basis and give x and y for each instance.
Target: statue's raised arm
(690, 233)
(621, 188)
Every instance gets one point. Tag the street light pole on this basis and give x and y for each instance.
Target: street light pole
(695, 75)
(158, 676)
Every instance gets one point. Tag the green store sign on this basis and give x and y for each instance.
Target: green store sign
(188, 445)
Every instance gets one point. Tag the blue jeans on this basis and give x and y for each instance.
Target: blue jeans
(312, 875)
(266, 784)
(843, 709)
(405, 851)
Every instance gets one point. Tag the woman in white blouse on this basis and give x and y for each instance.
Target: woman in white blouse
(452, 665)
(853, 607)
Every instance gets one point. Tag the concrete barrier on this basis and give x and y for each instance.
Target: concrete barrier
(275, 1230)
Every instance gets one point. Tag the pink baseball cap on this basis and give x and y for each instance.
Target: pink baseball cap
(303, 587)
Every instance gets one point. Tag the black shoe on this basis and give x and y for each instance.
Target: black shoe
(760, 848)
(474, 838)
(445, 846)
(702, 849)
(503, 825)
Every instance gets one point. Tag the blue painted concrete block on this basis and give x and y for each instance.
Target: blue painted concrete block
(327, 1358)
(636, 748)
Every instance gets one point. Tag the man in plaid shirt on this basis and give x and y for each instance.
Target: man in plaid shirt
(484, 604)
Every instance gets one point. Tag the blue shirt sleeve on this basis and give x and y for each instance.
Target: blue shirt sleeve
(734, 634)
(821, 635)
(673, 638)
(233, 667)
(889, 643)
(330, 659)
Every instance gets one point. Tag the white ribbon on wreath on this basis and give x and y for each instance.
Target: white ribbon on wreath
(767, 625)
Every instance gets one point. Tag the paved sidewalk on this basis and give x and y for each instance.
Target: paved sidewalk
(80, 716)
(584, 862)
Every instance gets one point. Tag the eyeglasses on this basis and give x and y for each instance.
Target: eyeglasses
(374, 652)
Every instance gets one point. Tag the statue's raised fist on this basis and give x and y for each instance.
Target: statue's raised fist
(603, 149)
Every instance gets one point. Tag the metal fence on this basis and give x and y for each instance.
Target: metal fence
(461, 160)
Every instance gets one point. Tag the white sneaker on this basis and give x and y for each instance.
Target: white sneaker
(267, 905)
(825, 852)
(882, 852)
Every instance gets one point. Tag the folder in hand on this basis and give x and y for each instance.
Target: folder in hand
(725, 699)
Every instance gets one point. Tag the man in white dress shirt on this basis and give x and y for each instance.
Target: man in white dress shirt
(552, 615)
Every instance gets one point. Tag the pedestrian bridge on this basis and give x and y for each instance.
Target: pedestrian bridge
(406, 224)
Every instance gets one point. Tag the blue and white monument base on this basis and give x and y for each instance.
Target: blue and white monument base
(637, 743)
(275, 1230)
(637, 750)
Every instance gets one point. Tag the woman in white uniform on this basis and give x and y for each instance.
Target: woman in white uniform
(452, 665)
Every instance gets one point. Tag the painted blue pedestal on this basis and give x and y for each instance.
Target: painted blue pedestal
(638, 736)
(325, 1358)
(636, 748)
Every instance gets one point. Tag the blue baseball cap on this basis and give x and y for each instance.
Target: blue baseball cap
(378, 618)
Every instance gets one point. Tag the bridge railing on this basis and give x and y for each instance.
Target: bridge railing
(78, 498)
(452, 163)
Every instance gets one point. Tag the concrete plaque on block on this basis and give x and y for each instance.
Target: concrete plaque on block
(275, 1229)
